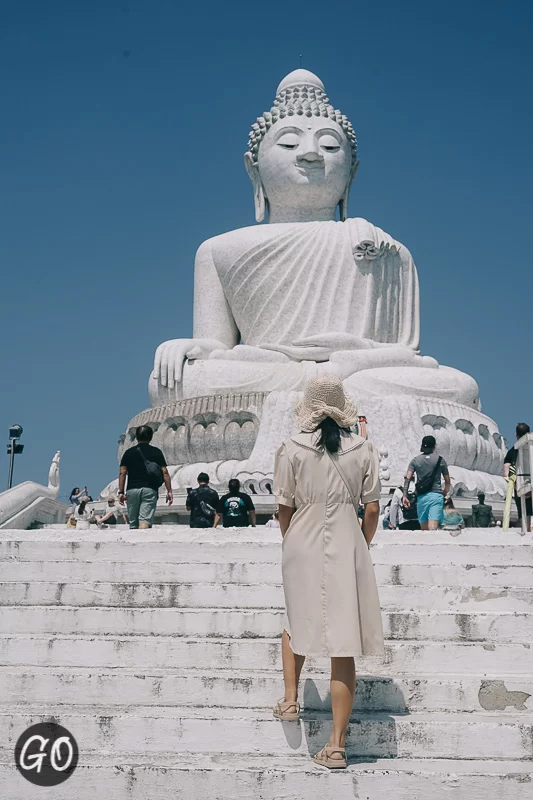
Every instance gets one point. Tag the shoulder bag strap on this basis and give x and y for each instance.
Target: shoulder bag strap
(342, 476)
(435, 470)
(139, 450)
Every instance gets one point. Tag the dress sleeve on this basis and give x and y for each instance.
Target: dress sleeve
(371, 484)
(284, 481)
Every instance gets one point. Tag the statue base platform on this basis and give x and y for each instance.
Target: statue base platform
(237, 435)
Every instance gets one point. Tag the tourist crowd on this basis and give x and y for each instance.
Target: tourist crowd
(423, 502)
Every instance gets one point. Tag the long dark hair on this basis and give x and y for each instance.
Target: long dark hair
(330, 435)
(73, 493)
(82, 505)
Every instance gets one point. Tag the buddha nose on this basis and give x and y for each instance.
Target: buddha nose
(310, 151)
(310, 155)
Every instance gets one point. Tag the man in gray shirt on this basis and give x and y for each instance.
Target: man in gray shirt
(429, 469)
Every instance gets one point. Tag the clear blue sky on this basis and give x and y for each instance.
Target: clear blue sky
(123, 128)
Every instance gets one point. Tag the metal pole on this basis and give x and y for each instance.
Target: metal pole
(11, 462)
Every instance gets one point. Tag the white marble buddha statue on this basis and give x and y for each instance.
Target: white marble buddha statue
(275, 303)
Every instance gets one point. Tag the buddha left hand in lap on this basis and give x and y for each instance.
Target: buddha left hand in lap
(305, 293)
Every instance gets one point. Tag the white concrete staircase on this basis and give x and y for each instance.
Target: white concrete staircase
(160, 652)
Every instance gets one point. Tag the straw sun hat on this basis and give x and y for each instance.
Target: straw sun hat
(324, 396)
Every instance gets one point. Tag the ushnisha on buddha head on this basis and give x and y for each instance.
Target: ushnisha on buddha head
(302, 154)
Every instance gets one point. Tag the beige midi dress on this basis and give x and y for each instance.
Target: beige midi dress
(331, 597)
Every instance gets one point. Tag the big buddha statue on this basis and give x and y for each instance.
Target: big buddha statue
(308, 290)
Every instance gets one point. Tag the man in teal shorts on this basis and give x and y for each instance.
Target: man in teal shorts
(429, 468)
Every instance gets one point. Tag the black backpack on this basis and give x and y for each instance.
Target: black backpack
(153, 471)
(207, 511)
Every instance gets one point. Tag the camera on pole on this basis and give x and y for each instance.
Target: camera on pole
(14, 448)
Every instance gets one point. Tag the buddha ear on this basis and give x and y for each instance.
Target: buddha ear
(259, 193)
(343, 202)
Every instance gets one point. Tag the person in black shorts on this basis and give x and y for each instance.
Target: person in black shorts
(509, 464)
(202, 503)
(235, 508)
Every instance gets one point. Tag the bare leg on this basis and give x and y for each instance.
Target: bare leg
(292, 668)
(143, 525)
(433, 525)
(342, 697)
(424, 526)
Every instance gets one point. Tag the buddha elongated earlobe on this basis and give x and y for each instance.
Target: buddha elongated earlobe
(259, 201)
(259, 194)
(343, 206)
(343, 202)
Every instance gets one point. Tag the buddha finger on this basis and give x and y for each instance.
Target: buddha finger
(171, 359)
(157, 362)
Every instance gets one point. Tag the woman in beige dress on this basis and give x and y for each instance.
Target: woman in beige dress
(331, 596)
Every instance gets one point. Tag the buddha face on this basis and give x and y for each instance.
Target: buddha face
(305, 163)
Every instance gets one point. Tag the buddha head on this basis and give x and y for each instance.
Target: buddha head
(302, 154)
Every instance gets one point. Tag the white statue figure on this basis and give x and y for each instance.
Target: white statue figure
(53, 474)
(276, 303)
(302, 294)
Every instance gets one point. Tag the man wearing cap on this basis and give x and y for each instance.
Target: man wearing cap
(429, 468)
(112, 514)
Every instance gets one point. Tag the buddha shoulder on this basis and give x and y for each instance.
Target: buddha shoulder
(226, 247)
(364, 237)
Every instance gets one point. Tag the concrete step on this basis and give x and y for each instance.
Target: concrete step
(259, 689)
(239, 595)
(191, 776)
(78, 571)
(145, 729)
(145, 652)
(261, 534)
(257, 545)
(503, 626)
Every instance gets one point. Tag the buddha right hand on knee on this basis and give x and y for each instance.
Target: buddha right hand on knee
(171, 356)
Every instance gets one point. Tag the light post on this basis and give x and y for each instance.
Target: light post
(13, 449)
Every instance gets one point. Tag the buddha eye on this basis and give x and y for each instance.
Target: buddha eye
(329, 143)
(289, 141)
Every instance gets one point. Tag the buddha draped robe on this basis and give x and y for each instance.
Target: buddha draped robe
(321, 277)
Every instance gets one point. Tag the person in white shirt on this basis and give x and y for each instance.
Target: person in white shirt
(274, 521)
(82, 515)
(113, 511)
(401, 518)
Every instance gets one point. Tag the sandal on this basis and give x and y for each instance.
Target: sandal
(325, 760)
(287, 711)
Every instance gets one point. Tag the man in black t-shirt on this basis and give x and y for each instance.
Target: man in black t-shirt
(235, 508)
(202, 503)
(509, 467)
(138, 465)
